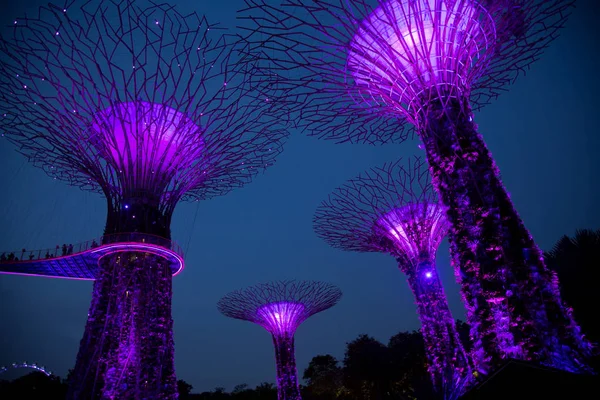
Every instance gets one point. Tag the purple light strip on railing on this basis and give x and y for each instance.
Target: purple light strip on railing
(154, 249)
(120, 248)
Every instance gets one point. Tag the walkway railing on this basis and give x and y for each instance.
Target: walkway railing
(69, 249)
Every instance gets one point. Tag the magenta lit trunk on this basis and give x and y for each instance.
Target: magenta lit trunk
(127, 351)
(448, 362)
(287, 374)
(512, 299)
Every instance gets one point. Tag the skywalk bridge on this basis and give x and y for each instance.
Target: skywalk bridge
(82, 259)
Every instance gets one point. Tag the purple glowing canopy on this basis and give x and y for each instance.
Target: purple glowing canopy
(144, 139)
(281, 318)
(280, 307)
(340, 65)
(132, 96)
(392, 208)
(414, 227)
(406, 47)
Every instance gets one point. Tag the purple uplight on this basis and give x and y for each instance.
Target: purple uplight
(280, 307)
(428, 274)
(391, 57)
(416, 229)
(147, 139)
(281, 318)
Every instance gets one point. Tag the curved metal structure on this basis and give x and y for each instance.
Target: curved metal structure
(82, 261)
(280, 308)
(393, 209)
(25, 364)
(361, 70)
(147, 106)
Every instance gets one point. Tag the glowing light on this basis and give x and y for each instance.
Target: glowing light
(282, 317)
(428, 274)
(407, 46)
(24, 364)
(415, 228)
(61, 267)
(143, 138)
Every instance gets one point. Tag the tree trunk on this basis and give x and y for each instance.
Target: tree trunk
(287, 375)
(127, 349)
(448, 362)
(512, 299)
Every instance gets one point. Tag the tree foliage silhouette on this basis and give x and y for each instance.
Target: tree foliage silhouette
(576, 260)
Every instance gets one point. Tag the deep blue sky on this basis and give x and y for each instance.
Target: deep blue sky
(543, 134)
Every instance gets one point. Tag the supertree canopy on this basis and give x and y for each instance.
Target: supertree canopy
(393, 209)
(280, 308)
(358, 70)
(147, 106)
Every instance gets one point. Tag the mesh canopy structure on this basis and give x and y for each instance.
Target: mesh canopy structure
(280, 307)
(147, 106)
(393, 209)
(132, 96)
(342, 65)
(373, 71)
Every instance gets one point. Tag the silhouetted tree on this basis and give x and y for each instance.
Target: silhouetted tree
(576, 261)
(367, 373)
(184, 389)
(266, 391)
(410, 378)
(463, 333)
(33, 386)
(324, 378)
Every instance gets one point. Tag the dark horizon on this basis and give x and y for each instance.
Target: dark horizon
(542, 133)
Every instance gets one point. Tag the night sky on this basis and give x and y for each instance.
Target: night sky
(543, 134)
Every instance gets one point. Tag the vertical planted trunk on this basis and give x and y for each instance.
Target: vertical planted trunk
(513, 302)
(127, 350)
(448, 362)
(287, 375)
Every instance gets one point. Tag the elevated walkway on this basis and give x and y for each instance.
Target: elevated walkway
(80, 261)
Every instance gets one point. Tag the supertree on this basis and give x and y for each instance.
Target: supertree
(362, 70)
(393, 209)
(147, 106)
(280, 308)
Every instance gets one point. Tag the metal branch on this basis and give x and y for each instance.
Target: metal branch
(292, 301)
(126, 96)
(338, 66)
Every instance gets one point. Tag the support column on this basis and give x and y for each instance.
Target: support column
(127, 350)
(448, 362)
(287, 375)
(512, 299)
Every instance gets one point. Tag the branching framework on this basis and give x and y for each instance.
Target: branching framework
(393, 209)
(344, 64)
(148, 106)
(280, 307)
(360, 70)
